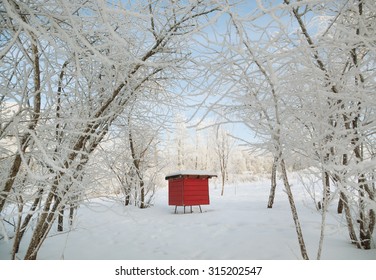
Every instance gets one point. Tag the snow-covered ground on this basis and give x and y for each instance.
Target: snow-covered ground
(234, 226)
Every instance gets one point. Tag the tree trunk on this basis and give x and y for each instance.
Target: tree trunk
(20, 203)
(326, 190)
(60, 220)
(350, 224)
(294, 212)
(25, 140)
(127, 198)
(340, 205)
(322, 228)
(10, 180)
(142, 195)
(44, 222)
(223, 178)
(273, 182)
(71, 213)
(22, 229)
(366, 217)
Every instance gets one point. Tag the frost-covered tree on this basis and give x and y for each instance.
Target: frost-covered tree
(71, 68)
(223, 147)
(341, 124)
(255, 94)
(132, 151)
(300, 75)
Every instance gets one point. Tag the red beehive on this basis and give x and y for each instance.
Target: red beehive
(188, 188)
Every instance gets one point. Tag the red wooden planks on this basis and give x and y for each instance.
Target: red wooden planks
(188, 191)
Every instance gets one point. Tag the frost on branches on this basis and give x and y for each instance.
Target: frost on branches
(301, 76)
(69, 69)
(89, 89)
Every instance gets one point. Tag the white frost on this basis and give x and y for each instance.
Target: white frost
(192, 172)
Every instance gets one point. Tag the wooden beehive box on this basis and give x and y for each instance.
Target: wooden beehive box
(189, 188)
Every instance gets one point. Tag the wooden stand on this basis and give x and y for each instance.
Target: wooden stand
(176, 209)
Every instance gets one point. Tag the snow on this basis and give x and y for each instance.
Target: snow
(191, 172)
(236, 226)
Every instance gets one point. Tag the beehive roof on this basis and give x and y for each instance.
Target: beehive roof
(183, 173)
